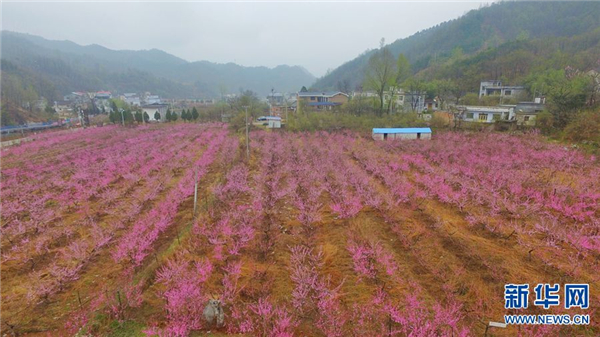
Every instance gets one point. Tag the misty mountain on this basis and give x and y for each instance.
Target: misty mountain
(72, 67)
(479, 30)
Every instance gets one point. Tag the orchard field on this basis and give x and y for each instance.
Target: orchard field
(317, 234)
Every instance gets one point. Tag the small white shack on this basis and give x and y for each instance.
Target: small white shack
(401, 133)
(274, 122)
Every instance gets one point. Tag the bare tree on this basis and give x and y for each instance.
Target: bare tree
(344, 86)
(380, 73)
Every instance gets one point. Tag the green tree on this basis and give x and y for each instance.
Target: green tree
(443, 90)
(545, 122)
(146, 117)
(195, 114)
(174, 117)
(470, 99)
(157, 115)
(49, 109)
(169, 116)
(112, 117)
(128, 117)
(566, 94)
(584, 127)
(138, 116)
(403, 71)
(113, 106)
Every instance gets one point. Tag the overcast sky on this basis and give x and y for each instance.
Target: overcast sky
(318, 36)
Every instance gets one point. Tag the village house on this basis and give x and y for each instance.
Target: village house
(102, 100)
(431, 104)
(322, 100)
(132, 99)
(76, 97)
(397, 97)
(414, 102)
(152, 99)
(495, 88)
(280, 103)
(401, 133)
(63, 109)
(487, 114)
(526, 112)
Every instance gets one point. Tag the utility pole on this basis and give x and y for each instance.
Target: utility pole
(247, 135)
(122, 118)
(195, 191)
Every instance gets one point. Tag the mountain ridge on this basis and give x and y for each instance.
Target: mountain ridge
(202, 78)
(477, 30)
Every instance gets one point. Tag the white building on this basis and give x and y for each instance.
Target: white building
(487, 114)
(153, 99)
(132, 99)
(151, 110)
(495, 88)
(274, 122)
(401, 133)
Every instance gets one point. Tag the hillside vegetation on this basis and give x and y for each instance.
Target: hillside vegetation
(488, 28)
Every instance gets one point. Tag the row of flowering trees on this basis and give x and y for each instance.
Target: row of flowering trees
(92, 198)
(316, 233)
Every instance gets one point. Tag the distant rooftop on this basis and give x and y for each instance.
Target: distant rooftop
(320, 93)
(154, 105)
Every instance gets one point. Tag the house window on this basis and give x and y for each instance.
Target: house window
(312, 98)
(507, 92)
(469, 115)
(526, 118)
(483, 117)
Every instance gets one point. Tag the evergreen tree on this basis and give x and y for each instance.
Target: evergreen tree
(114, 106)
(128, 117)
(146, 117)
(112, 117)
(174, 117)
(195, 114)
(138, 116)
(157, 116)
(169, 115)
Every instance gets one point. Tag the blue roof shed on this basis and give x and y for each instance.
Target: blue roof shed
(401, 130)
(401, 133)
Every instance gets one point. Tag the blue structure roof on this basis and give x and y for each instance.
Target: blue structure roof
(401, 130)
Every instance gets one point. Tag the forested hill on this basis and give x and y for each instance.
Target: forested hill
(479, 30)
(53, 68)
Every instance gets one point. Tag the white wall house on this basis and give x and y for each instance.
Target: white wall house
(132, 99)
(151, 109)
(495, 88)
(487, 114)
(274, 122)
